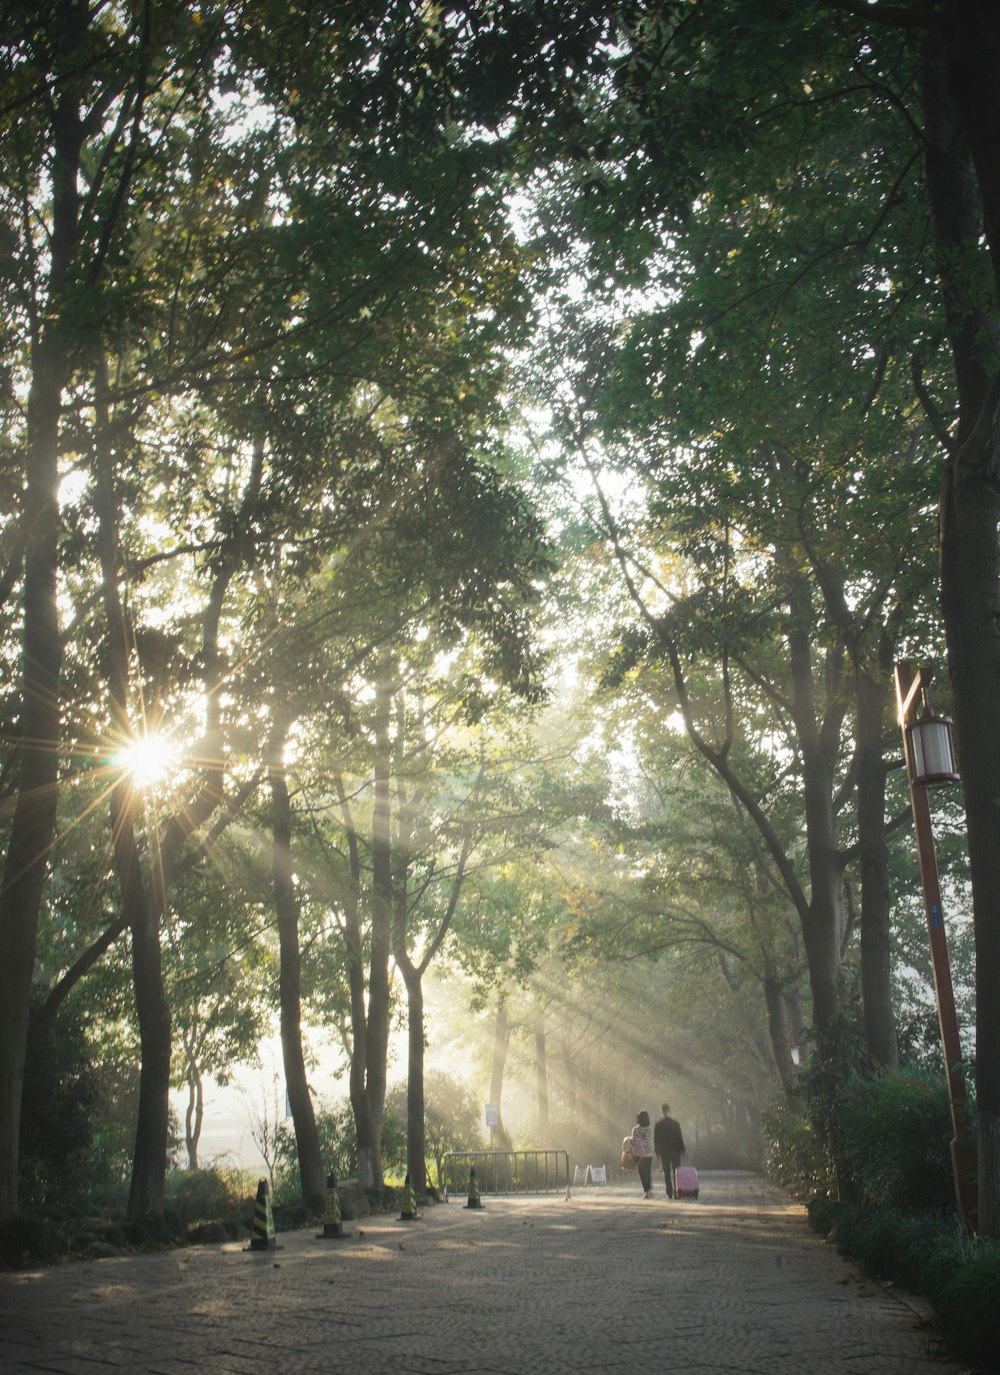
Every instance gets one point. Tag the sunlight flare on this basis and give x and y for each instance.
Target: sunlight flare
(148, 758)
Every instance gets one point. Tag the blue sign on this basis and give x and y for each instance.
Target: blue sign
(935, 916)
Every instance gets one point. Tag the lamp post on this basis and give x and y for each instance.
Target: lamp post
(930, 762)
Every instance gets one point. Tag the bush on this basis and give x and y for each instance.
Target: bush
(194, 1195)
(892, 1137)
(967, 1301)
(58, 1105)
(202, 1204)
(337, 1144)
(794, 1155)
(28, 1238)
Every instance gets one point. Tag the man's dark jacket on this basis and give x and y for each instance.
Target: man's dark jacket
(668, 1141)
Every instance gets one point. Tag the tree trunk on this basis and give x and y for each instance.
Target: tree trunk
(876, 939)
(149, 1160)
(819, 740)
(501, 1044)
(962, 117)
(33, 824)
(969, 575)
(541, 1080)
(311, 1171)
(416, 1149)
(354, 945)
(381, 935)
(777, 1028)
(195, 1114)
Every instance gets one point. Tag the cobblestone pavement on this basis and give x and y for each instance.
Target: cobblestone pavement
(602, 1281)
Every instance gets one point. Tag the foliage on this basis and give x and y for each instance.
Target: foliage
(79, 1104)
(58, 1107)
(451, 1119)
(893, 1136)
(794, 1154)
(26, 1237)
(451, 1122)
(198, 1202)
(833, 1067)
(335, 1126)
(930, 1256)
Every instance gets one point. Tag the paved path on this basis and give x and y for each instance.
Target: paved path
(601, 1282)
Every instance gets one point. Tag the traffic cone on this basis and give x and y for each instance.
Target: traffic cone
(262, 1236)
(474, 1200)
(409, 1213)
(331, 1216)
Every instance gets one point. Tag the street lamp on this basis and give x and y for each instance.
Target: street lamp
(930, 762)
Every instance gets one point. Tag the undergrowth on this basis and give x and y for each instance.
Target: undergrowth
(928, 1256)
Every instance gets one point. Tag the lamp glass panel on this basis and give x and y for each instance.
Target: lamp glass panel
(933, 754)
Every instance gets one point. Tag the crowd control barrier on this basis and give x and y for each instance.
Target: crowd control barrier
(507, 1172)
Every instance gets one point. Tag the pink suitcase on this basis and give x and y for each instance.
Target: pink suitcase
(687, 1181)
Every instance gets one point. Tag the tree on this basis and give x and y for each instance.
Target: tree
(77, 90)
(703, 90)
(930, 72)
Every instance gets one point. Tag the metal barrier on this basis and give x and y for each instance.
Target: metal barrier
(507, 1172)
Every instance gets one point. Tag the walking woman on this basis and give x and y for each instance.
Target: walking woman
(642, 1149)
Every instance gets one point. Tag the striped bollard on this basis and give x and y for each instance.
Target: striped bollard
(474, 1199)
(409, 1211)
(262, 1236)
(331, 1216)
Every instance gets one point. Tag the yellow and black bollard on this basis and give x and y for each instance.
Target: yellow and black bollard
(331, 1216)
(409, 1212)
(474, 1200)
(262, 1236)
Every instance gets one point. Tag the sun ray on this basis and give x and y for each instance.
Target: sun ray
(149, 759)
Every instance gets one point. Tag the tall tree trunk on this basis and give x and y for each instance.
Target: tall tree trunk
(194, 1115)
(541, 1079)
(501, 1044)
(311, 1171)
(149, 1159)
(969, 588)
(962, 128)
(572, 1078)
(876, 939)
(416, 1148)
(141, 905)
(819, 740)
(777, 1029)
(33, 823)
(370, 1158)
(354, 946)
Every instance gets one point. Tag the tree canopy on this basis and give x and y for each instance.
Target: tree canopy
(469, 473)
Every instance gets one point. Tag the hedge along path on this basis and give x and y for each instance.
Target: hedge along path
(601, 1281)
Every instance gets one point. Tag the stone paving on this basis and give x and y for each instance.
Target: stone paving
(602, 1281)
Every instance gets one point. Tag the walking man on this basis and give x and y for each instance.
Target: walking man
(668, 1143)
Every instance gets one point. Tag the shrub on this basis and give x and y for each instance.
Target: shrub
(204, 1204)
(892, 1136)
(794, 1155)
(967, 1301)
(27, 1238)
(58, 1104)
(337, 1144)
(206, 1195)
